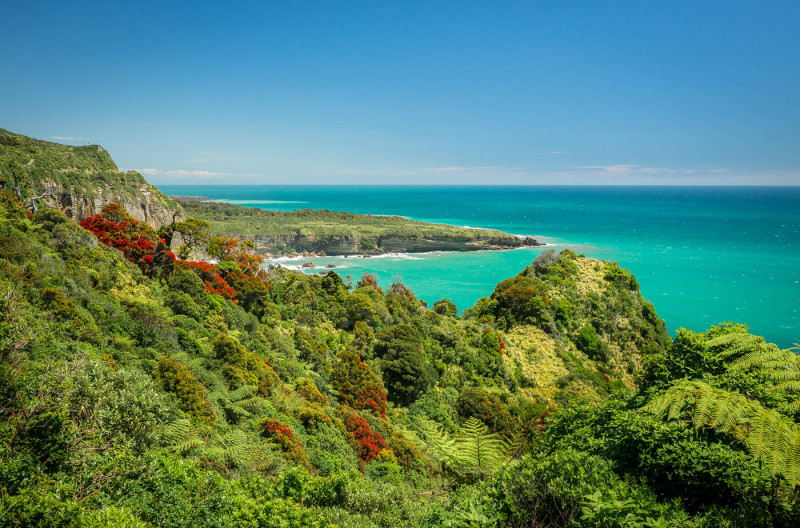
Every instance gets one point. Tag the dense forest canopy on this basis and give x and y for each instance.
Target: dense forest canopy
(141, 389)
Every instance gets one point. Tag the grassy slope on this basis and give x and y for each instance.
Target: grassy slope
(240, 220)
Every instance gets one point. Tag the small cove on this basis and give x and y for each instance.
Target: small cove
(702, 255)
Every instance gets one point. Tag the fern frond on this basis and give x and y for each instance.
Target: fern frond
(177, 430)
(769, 436)
(246, 391)
(475, 452)
(737, 343)
(254, 405)
(188, 445)
(237, 410)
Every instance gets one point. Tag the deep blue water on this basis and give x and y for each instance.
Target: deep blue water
(702, 255)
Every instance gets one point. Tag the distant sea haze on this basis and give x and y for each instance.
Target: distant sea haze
(702, 255)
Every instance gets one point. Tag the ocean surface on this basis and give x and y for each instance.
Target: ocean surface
(702, 255)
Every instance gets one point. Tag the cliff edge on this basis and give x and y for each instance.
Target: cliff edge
(79, 181)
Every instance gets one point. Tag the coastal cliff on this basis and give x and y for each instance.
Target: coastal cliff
(79, 181)
(340, 233)
(374, 245)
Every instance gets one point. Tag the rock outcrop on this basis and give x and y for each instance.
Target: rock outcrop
(354, 245)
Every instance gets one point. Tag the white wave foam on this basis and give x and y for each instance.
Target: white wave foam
(255, 202)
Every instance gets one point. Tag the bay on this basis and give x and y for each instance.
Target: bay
(702, 255)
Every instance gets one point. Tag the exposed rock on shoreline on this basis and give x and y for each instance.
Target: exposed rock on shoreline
(351, 245)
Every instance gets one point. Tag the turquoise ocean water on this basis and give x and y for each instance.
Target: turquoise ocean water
(701, 254)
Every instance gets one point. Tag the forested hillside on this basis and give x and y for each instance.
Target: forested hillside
(139, 389)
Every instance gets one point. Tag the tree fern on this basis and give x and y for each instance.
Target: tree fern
(236, 405)
(472, 456)
(181, 437)
(780, 366)
(177, 430)
(769, 435)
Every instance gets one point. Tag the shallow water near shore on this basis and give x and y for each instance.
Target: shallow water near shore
(702, 255)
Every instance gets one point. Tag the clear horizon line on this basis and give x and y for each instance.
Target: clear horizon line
(776, 185)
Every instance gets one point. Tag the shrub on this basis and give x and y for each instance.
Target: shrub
(176, 378)
(369, 443)
(620, 277)
(521, 300)
(182, 304)
(312, 417)
(329, 449)
(588, 343)
(401, 349)
(138, 241)
(445, 307)
(283, 436)
(550, 491)
(308, 390)
(229, 349)
(209, 274)
(486, 407)
(186, 281)
(358, 386)
(56, 302)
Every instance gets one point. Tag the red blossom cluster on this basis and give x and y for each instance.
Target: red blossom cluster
(280, 433)
(370, 442)
(358, 386)
(210, 275)
(371, 397)
(369, 281)
(137, 240)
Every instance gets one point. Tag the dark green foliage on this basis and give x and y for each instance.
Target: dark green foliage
(620, 277)
(183, 304)
(313, 349)
(670, 456)
(187, 282)
(358, 386)
(405, 368)
(567, 486)
(588, 343)
(477, 402)
(174, 377)
(229, 349)
(445, 307)
(521, 300)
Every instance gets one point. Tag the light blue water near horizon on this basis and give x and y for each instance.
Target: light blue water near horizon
(702, 255)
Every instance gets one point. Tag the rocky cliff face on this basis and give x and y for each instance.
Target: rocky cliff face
(141, 201)
(79, 180)
(357, 245)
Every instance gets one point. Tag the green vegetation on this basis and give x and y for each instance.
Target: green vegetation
(228, 220)
(41, 165)
(141, 391)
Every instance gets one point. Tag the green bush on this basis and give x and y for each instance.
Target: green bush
(405, 369)
(445, 307)
(587, 342)
(182, 304)
(176, 378)
(485, 406)
(575, 489)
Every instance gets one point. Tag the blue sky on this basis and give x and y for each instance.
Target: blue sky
(639, 92)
